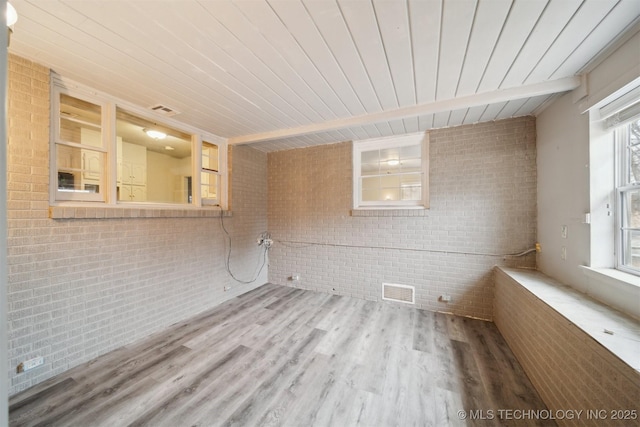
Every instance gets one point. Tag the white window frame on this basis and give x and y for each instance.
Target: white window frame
(359, 147)
(56, 140)
(210, 172)
(622, 186)
(108, 196)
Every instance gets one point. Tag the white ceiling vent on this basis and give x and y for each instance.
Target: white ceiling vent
(164, 110)
(399, 293)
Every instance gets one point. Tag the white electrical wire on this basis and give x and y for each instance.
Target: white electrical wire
(341, 245)
(264, 240)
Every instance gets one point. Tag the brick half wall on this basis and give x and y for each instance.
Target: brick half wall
(570, 370)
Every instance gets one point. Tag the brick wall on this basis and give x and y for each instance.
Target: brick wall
(569, 369)
(483, 200)
(81, 287)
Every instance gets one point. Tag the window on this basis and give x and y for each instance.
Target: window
(153, 161)
(209, 178)
(391, 173)
(628, 196)
(80, 149)
(106, 151)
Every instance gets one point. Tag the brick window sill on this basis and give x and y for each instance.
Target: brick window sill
(396, 212)
(615, 331)
(113, 212)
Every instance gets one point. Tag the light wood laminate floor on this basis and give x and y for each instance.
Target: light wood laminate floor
(284, 356)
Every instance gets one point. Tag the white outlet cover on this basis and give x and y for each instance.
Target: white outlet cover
(33, 363)
(564, 231)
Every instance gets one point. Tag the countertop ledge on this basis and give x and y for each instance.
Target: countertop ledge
(615, 331)
(113, 212)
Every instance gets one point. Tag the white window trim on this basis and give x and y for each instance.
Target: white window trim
(388, 142)
(198, 167)
(55, 194)
(621, 187)
(61, 84)
(602, 279)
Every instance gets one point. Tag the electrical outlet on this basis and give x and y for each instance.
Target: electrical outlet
(445, 298)
(227, 288)
(27, 365)
(563, 253)
(295, 277)
(564, 231)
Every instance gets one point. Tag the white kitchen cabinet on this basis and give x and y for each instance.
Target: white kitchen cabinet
(132, 193)
(132, 172)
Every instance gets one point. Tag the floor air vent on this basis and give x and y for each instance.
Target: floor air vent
(398, 293)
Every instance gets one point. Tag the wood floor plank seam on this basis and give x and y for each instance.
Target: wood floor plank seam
(281, 356)
(191, 388)
(247, 410)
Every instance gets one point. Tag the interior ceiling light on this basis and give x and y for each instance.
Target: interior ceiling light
(155, 134)
(169, 148)
(393, 162)
(11, 15)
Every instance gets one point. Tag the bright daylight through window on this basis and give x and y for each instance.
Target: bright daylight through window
(628, 192)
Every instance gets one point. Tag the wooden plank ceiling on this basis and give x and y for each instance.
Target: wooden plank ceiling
(282, 74)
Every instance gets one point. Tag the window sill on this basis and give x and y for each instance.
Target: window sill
(394, 211)
(613, 287)
(615, 331)
(139, 211)
(612, 275)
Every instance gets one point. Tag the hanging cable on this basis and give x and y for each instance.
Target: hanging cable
(302, 244)
(264, 240)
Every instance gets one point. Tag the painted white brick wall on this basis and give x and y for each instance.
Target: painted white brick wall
(81, 287)
(483, 200)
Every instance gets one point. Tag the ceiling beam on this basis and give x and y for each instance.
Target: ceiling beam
(479, 99)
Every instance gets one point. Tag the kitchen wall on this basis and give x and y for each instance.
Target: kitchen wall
(483, 204)
(78, 288)
(166, 178)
